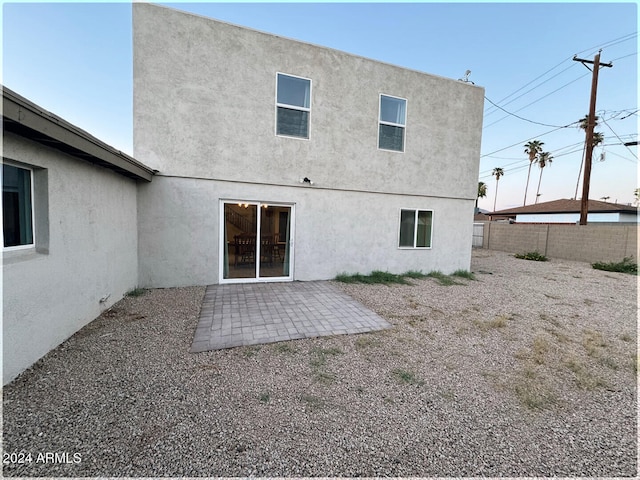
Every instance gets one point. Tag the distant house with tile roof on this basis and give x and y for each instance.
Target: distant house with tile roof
(568, 211)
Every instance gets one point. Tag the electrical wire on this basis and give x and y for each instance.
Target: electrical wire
(527, 120)
(528, 91)
(609, 43)
(521, 142)
(606, 44)
(621, 141)
(538, 99)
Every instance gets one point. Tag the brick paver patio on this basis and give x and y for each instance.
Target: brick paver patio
(254, 313)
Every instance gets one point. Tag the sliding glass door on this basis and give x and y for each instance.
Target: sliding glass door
(256, 241)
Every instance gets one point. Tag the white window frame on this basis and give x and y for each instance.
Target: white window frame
(33, 208)
(293, 107)
(415, 228)
(381, 122)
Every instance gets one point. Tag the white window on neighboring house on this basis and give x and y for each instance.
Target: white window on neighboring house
(293, 106)
(415, 228)
(17, 207)
(392, 123)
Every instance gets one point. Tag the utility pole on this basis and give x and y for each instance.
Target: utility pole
(584, 204)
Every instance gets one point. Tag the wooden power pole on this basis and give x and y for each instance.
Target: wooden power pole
(590, 126)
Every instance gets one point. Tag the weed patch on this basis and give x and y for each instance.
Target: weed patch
(265, 397)
(443, 279)
(387, 278)
(136, 292)
(285, 348)
(497, 322)
(593, 342)
(406, 376)
(376, 276)
(416, 275)
(366, 341)
(325, 378)
(583, 377)
(312, 402)
(319, 361)
(539, 350)
(534, 256)
(627, 265)
(534, 394)
(251, 351)
(560, 337)
(464, 274)
(536, 353)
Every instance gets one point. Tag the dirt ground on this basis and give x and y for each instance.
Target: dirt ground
(528, 370)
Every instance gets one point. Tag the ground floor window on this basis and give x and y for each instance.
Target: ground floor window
(415, 228)
(17, 206)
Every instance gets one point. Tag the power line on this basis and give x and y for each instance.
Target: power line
(600, 113)
(635, 162)
(621, 141)
(522, 142)
(609, 43)
(525, 119)
(531, 89)
(527, 84)
(537, 100)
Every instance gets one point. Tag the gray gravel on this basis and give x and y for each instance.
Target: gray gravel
(528, 371)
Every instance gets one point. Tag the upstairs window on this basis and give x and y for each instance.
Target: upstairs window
(392, 122)
(293, 106)
(415, 228)
(17, 206)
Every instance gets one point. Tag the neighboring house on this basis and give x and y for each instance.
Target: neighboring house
(69, 230)
(568, 211)
(280, 160)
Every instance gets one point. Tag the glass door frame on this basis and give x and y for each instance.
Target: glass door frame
(222, 241)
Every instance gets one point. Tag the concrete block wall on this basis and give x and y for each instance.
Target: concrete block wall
(585, 243)
(528, 238)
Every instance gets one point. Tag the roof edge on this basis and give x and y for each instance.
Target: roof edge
(17, 110)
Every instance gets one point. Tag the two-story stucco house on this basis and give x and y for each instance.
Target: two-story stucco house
(280, 160)
(257, 159)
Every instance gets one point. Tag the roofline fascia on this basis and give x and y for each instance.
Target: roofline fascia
(20, 110)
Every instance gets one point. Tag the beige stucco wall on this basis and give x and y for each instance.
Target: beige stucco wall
(204, 111)
(88, 251)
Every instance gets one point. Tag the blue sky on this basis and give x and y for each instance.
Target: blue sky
(75, 60)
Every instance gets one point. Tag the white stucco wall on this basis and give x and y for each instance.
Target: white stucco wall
(91, 253)
(204, 116)
(335, 231)
(575, 217)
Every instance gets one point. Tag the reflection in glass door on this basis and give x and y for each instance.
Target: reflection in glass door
(249, 256)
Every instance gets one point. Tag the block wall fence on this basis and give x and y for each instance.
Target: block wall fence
(585, 243)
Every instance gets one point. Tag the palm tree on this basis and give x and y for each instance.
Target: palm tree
(583, 123)
(543, 159)
(598, 138)
(497, 172)
(482, 192)
(533, 149)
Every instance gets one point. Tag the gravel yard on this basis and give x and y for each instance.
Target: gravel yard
(529, 370)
